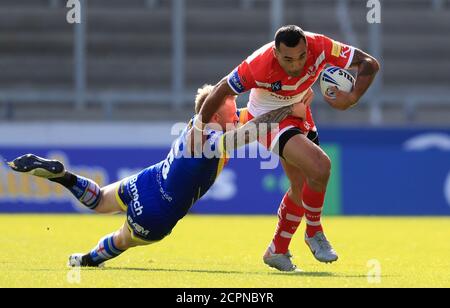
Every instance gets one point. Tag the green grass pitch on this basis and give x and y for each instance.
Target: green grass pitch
(225, 251)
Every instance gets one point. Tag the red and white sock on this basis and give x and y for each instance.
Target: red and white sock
(290, 215)
(313, 205)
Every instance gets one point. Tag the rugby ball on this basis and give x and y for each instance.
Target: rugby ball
(336, 77)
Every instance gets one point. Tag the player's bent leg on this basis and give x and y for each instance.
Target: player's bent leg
(296, 179)
(290, 214)
(109, 247)
(105, 250)
(85, 190)
(110, 203)
(313, 162)
(127, 239)
(302, 153)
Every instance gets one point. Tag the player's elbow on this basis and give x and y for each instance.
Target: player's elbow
(223, 89)
(218, 94)
(343, 107)
(374, 64)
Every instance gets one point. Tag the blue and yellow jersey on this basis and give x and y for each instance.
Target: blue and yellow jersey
(187, 179)
(243, 116)
(184, 179)
(159, 196)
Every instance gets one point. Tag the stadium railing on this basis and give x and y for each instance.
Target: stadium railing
(178, 95)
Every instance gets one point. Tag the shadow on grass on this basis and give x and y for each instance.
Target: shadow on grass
(215, 272)
(201, 271)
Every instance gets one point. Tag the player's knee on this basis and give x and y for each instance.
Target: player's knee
(108, 202)
(322, 170)
(122, 240)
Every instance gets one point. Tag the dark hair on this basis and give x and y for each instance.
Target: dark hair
(289, 36)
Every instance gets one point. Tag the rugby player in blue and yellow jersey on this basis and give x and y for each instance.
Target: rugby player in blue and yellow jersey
(156, 198)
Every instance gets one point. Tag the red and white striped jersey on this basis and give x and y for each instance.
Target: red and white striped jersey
(271, 87)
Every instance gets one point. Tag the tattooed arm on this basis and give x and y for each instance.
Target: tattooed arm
(367, 67)
(251, 131)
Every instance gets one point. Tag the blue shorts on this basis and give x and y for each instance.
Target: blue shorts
(148, 214)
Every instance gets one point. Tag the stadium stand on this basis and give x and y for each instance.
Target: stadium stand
(129, 51)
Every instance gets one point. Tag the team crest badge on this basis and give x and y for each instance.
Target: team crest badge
(312, 71)
(276, 86)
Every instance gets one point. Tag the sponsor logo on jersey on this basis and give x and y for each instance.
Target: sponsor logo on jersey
(137, 228)
(276, 86)
(344, 52)
(312, 70)
(135, 197)
(336, 49)
(283, 97)
(235, 82)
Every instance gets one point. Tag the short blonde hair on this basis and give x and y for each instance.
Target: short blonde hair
(202, 94)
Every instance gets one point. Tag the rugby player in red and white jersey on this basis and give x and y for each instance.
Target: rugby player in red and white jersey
(280, 74)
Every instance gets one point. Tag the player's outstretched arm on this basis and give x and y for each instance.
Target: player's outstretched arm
(367, 67)
(252, 130)
(215, 100)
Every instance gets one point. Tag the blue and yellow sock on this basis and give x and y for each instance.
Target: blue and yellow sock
(104, 251)
(85, 190)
